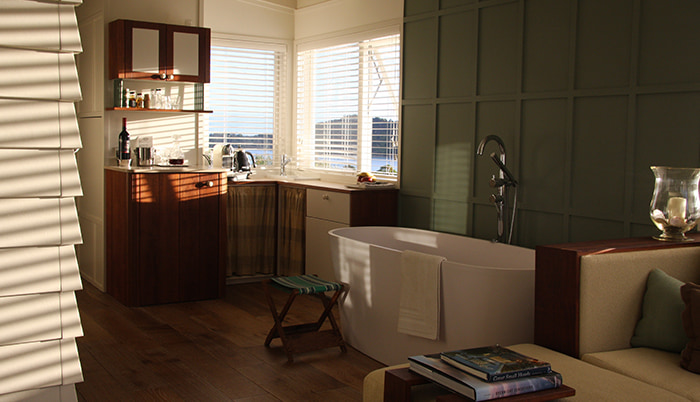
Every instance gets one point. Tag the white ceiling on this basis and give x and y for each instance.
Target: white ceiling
(297, 3)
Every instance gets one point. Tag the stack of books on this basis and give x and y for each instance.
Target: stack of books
(487, 372)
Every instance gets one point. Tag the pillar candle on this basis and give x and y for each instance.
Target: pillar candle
(676, 207)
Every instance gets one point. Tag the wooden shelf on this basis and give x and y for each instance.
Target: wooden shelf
(139, 109)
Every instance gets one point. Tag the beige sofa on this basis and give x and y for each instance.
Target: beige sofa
(587, 304)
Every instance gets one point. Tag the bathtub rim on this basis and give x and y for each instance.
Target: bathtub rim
(333, 233)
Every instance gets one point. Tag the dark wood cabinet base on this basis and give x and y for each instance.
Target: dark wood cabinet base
(165, 235)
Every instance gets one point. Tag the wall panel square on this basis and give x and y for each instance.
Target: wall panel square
(546, 45)
(457, 58)
(668, 44)
(455, 150)
(604, 43)
(598, 162)
(450, 216)
(418, 149)
(419, 59)
(543, 153)
(499, 49)
(415, 212)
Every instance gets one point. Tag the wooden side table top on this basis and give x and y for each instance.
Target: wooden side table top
(398, 383)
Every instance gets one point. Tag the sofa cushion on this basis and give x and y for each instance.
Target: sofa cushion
(661, 326)
(652, 366)
(690, 357)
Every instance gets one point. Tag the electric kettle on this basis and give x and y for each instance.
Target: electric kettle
(243, 161)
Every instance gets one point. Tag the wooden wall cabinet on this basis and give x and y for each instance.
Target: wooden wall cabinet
(148, 50)
(165, 235)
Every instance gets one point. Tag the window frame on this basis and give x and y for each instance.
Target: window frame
(282, 122)
(298, 135)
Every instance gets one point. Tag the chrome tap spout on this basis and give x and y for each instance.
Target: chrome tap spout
(498, 140)
(283, 164)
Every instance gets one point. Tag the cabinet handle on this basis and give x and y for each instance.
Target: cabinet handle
(163, 77)
(326, 197)
(204, 184)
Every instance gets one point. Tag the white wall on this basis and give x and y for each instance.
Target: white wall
(343, 15)
(249, 18)
(178, 12)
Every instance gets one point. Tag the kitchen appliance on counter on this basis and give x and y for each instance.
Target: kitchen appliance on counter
(243, 161)
(223, 156)
(144, 151)
(239, 163)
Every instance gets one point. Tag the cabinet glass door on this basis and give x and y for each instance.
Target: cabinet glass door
(145, 50)
(185, 53)
(188, 53)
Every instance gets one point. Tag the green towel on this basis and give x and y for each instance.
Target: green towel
(306, 284)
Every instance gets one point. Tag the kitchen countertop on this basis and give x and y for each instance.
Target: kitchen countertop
(166, 169)
(317, 184)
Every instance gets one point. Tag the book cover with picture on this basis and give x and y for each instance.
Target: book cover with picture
(495, 363)
(435, 369)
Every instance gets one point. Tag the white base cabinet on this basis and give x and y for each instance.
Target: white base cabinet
(318, 247)
(328, 209)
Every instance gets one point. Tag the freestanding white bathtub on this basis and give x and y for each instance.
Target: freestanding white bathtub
(487, 291)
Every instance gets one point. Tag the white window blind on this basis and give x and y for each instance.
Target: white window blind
(246, 93)
(348, 106)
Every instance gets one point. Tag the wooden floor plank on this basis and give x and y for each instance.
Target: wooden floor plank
(207, 351)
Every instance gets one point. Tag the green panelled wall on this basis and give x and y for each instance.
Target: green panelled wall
(586, 94)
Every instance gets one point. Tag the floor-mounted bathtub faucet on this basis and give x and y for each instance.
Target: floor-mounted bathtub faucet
(505, 179)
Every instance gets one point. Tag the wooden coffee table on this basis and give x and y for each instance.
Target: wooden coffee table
(398, 383)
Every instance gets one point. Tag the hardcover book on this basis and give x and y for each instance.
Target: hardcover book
(435, 369)
(495, 363)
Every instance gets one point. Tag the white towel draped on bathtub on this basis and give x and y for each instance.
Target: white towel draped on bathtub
(419, 304)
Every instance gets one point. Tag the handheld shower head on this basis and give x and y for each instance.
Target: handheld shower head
(504, 169)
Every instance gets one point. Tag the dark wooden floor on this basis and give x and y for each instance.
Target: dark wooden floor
(207, 351)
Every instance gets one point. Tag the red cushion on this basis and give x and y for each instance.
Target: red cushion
(690, 356)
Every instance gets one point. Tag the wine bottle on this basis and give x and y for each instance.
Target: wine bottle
(124, 147)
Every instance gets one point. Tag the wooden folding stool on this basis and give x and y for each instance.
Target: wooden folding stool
(305, 337)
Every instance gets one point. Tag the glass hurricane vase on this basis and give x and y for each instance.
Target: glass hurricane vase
(675, 205)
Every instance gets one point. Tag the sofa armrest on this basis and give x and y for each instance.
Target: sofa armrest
(579, 312)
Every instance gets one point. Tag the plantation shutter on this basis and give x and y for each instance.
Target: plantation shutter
(348, 105)
(39, 182)
(247, 87)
